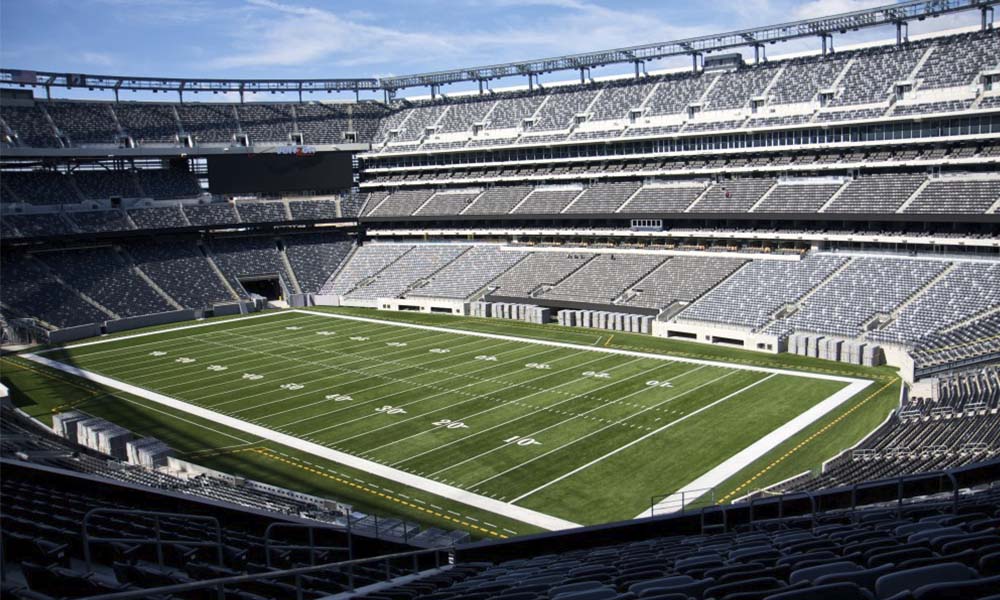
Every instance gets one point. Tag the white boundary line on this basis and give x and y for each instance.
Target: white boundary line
(719, 473)
(445, 491)
(744, 458)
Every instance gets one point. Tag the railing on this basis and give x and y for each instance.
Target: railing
(440, 556)
(158, 539)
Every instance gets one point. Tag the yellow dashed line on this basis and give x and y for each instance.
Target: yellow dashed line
(804, 442)
(267, 453)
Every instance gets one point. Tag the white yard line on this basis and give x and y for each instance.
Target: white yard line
(445, 491)
(744, 458)
(639, 439)
(694, 361)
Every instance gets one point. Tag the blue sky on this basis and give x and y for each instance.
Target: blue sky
(337, 38)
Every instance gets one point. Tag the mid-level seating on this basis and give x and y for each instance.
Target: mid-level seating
(161, 217)
(218, 213)
(681, 278)
(367, 261)
(30, 289)
(102, 275)
(410, 269)
(756, 291)
(537, 269)
(468, 274)
(168, 184)
(876, 193)
(604, 278)
(41, 187)
(314, 257)
(182, 271)
(258, 211)
(240, 257)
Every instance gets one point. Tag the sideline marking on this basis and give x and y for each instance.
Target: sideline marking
(452, 493)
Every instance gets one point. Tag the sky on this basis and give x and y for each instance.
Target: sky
(338, 38)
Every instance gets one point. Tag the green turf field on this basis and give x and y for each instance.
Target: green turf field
(581, 435)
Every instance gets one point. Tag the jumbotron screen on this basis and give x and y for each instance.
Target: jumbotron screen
(262, 173)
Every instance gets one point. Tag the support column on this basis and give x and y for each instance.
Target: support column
(637, 68)
(902, 32)
(827, 37)
(480, 87)
(531, 82)
(694, 61)
(987, 14)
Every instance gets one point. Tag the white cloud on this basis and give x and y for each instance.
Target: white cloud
(98, 59)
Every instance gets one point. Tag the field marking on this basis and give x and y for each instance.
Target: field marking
(642, 438)
(496, 407)
(606, 427)
(640, 374)
(739, 461)
(517, 513)
(328, 413)
(670, 357)
(452, 391)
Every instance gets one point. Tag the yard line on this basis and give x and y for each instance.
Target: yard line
(366, 373)
(234, 351)
(382, 398)
(606, 427)
(485, 503)
(503, 404)
(450, 391)
(421, 365)
(127, 354)
(576, 416)
(600, 349)
(637, 440)
(288, 356)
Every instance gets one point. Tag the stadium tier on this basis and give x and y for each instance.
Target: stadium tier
(723, 332)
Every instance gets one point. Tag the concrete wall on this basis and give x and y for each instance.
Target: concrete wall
(162, 318)
(69, 334)
(425, 305)
(718, 335)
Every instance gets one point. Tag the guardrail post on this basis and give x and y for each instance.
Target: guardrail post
(159, 540)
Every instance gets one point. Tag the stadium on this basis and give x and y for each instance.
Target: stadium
(580, 329)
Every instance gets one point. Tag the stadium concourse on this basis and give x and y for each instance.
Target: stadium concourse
(749, 309)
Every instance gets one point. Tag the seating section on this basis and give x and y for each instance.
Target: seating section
(959, 344)
(797, 197)
(103, 275)
(545, 201)
(99, 185)
(85, 123)
(446, 203)
(604, 278)
(31, 290)
(881, 194)
(40, 224)
(402, 203)
(758, 290)
(41, 187)
(30, 124)
(680, 279)
(148, 123)
(161, 217)
(976, 284)
(218, 213)
(266, 122)
(322, 123)
(956, 196)
(255, 211)
(733, 196)
(366, 262)
(468, 274)
(314, 257)
(923, 551)
(537, 269)
(663, 198)
(409, 271)
(317, 210)
(100, 221)
(182, 271)
(603, 197)
(865, 288)
(498, 200)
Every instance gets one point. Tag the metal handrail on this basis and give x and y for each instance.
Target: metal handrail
(219, 583)
(158, 539)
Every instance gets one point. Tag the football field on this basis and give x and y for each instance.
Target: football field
(545, 432)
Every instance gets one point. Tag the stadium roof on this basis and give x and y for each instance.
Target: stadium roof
(823, 27)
